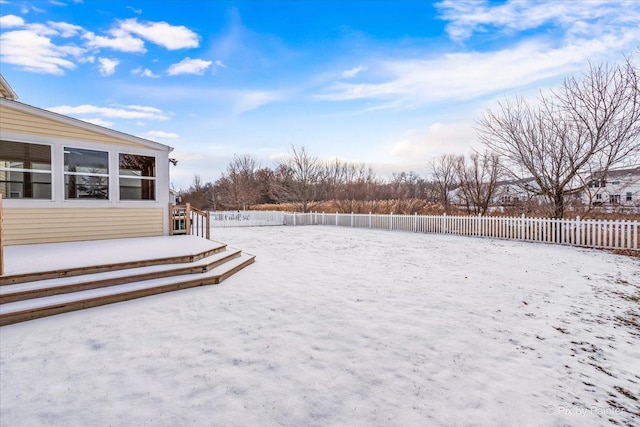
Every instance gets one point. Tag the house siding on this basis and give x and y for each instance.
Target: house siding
(59, 219)
(28, 226)
(22, 122)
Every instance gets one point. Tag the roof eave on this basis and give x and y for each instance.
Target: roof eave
(85, 125)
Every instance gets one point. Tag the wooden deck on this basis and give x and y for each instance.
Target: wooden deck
(90, 274)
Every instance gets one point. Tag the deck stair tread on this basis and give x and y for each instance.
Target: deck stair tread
(215, 275)
(117, 276)
(132, 257)
(83, 275)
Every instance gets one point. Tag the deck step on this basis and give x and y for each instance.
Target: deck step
(49, 287)
(18, 311)
(24, 277)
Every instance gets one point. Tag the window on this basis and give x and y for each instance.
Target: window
(629, 196)
(25, 170)
(86, 174)
(614, 199)
(137, 177)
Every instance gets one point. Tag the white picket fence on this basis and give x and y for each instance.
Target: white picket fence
(575, 232)
(245, 218)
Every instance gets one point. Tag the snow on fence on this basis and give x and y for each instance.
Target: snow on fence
(575, 232)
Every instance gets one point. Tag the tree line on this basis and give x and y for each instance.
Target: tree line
(551, 148)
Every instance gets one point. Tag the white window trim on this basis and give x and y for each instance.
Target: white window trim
(149, 178)
(65, 173)
(51, 171)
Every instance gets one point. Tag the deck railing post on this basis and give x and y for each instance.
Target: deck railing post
(170, 219)
(208, 225)
(187, 219)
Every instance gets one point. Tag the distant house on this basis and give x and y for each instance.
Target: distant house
(64, 179)
(615, 188)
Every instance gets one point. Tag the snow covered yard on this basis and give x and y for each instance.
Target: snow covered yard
(337, 326)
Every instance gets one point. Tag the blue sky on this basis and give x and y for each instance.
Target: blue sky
(389, 83)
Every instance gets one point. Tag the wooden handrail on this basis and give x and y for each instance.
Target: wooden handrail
(189, 215)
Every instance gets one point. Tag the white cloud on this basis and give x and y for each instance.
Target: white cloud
(133, 112)
(463, 76)
(10, 21)
(189, 66)
(247, 100)
(98, 121)
(159, 134)
(144, 72)
(220, 64)
(66, 30)
(161, 33)
(136, 11)
(469, 17)
(120, 40)
(107, 66)
(144, 108)
(33, 52)
(347, 74)
(419, 146)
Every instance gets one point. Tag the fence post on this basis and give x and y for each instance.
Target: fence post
(351, 218)
(391, 221)
(369, 219)
(415, 222)
(336, 217)
(522, 227)
(294, 219)
(443, 225)
(578, 241)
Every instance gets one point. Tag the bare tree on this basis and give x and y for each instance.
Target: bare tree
(591, 123)
(199, 195)
(478, 179)
(297, 179)
(445, 178)
(239, 187)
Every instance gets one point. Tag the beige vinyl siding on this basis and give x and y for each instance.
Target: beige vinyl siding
(22, 122)
(40, 225)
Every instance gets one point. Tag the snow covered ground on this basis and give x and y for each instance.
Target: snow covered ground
(348, 327)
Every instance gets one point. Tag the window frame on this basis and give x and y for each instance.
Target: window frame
(66, 173)
(49, 172)
(153, 178)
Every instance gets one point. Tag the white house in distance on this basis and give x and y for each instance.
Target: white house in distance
(619, 188)
(64, 179)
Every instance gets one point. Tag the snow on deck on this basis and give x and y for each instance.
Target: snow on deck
(22, 259)
(336, 327)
